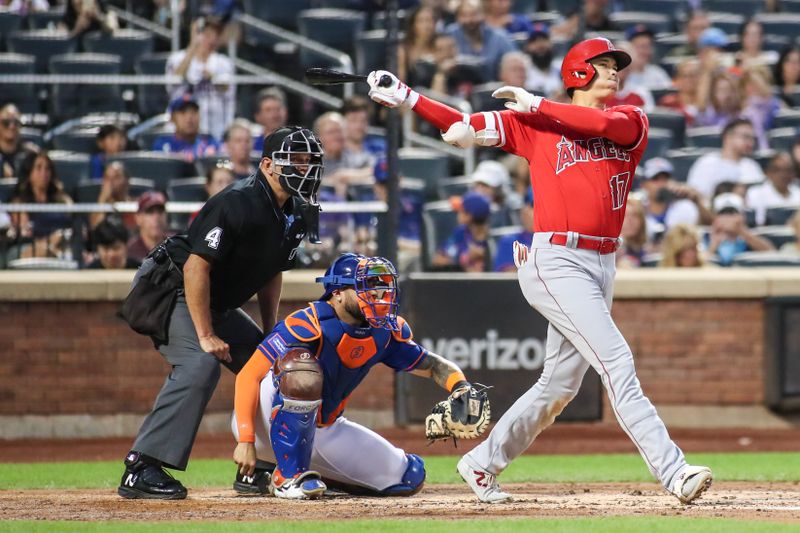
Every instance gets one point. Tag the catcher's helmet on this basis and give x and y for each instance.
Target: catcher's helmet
(375, 281)
(576, 71)
(284, 146)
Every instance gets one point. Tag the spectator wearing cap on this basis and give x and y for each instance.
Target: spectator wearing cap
(187, 139)
(729, 235)
(492, 179)
(698, 22)
(476, 38)
(779, 190)
(151, 219)
(643, 71)
(110, 239)
(13, 150)
(271, 114)
(544, 75)
(110, 140)
(685, 99)
(667, 202)
(236, 145)
(115, 187)
(504, 257)
(467, 248)
(498, 15)
(208, 74)
(732, 163)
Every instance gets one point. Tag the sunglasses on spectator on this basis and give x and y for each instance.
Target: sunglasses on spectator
(8, 122)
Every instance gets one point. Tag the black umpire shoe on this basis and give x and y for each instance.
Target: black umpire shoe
(257, 484)
(145, 479)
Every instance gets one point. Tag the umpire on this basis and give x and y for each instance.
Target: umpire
(187, 293)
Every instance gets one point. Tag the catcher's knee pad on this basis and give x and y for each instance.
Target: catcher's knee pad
(413, 479)
(291, 433)
(299, 375)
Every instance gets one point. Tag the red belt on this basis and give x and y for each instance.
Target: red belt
(601, 245)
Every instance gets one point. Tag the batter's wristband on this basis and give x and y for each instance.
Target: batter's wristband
(453, 380)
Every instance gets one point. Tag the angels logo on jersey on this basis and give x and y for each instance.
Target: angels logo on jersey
(583, 150)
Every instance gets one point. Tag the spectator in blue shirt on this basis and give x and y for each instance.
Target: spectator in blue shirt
(110, 140)
(729, 234)
(476, 38)
(187, 139)
(467, 248)
(504, 258)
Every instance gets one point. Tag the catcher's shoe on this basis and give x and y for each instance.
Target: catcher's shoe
(143, 480)
(483, 483)
(306, 485)
(691, 482)
(257, 484)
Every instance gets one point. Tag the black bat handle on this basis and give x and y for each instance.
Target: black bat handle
(385, 81)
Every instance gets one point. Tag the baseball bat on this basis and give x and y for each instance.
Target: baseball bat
(329, 76)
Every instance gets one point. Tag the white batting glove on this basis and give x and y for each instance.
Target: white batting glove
(520, 100)
(393, 94)
(520, 254)
(460, 134)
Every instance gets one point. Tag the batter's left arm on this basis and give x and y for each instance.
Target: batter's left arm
(444, 373)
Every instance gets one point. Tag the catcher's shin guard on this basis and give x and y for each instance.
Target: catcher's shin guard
(292, 433)
(413, 478)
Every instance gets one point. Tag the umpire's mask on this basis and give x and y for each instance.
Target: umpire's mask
(298, 153)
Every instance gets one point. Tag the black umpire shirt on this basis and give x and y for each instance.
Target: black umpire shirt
(247, 238)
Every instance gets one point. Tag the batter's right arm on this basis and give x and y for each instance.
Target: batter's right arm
(458, 129)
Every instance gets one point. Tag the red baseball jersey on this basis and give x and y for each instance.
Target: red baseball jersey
(580, 181)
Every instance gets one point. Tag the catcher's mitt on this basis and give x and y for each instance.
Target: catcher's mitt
(464, 415)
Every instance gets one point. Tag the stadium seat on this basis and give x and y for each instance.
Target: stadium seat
(745, 8)
(42, 263)
(70, 100)
(787, 118)
(42, 45)
(785, 24)
(782, 139)
(448, 187)
(525, 7)
(790, 6)
(151, 99)
(704, 137)
(766, 259)
(438, 222)
(779, 216)
(481, 97)
(379, 19)
(279, 12)
(187, 190)
(659, 140)
(332, 27)
(127, 44)
(32, 135)
(683, 159)
(750, 217)
(45, 20)
(651, 260)
(77, 140)
(663, 44)
(88, 191)
(9, 23)
(22, 94)
(776, 43)
(370, 50)
(728, 22)
(7, 186)
(71, 168)
(669, 119)
(426, 165)
(157, 166)
(671, 8)
(657, 22)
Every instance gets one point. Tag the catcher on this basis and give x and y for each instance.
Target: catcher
(289, 399)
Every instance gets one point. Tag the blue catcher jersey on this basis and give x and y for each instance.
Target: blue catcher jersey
(346, 353)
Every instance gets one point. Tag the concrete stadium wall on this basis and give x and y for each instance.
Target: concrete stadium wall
(71, 368)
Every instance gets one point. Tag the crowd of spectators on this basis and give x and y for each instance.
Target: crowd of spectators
(733, 83)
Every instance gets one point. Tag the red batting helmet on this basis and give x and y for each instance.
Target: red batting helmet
(576, 71)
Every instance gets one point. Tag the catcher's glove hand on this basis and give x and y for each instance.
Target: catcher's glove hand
(464, 415)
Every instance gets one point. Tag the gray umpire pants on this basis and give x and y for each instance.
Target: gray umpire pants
(168, 432)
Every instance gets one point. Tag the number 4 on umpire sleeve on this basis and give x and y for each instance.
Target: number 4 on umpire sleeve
(213, 237)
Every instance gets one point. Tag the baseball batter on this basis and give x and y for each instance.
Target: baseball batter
(582, 161)
(291, 394)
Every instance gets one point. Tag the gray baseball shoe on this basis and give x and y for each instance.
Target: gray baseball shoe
(483, 483)
(691, 482)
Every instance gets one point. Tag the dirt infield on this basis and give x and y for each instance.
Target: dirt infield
(767, 501)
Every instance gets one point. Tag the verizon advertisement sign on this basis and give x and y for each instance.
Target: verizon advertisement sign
(484, 325)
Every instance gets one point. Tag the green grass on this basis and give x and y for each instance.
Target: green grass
(574, 525)
(774, 466)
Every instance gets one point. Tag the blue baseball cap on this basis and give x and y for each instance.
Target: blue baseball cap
(712, 37)
(181, 101)
(539, 29)
(637, 30)
(476, 205)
